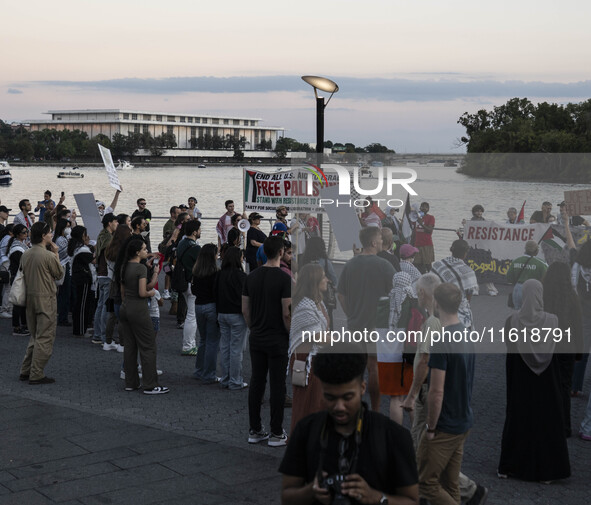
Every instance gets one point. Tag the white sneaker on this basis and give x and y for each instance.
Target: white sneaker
(6, 315)
(166, 295)
(277, 440)
(110, 347)
(120, 348)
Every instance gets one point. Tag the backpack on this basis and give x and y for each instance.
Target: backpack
(411, 319)
(178, 279)
(583, 288)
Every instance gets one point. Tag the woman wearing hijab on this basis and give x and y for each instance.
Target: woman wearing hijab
(534, 446)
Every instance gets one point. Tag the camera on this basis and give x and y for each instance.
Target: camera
(333, 484)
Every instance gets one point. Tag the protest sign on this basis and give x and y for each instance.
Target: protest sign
(265, 191)
(90, 215)
(110, 167)
(494, 246)
(578, 203)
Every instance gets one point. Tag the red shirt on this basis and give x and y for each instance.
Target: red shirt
(422, 238)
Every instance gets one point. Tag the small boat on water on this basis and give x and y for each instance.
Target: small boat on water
(124, 165)
(366, 172)
(4, 164)
(70, 174)
(5, 177)
(201, 165)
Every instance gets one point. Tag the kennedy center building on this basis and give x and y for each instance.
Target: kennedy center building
(184, 126)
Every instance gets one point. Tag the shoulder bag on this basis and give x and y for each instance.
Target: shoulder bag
(18, 292)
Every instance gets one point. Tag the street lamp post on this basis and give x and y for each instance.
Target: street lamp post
(322, 84)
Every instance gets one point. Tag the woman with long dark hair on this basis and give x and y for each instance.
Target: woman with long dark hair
(120, 237)
(228, 300)
(561, 299)
(202, 286)
(61, 237)
(135, 322)
(309, 314)
(581, 281)
(315, 252)
(83, 278)
(17, 245)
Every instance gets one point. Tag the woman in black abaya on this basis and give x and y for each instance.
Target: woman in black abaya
(534, 445)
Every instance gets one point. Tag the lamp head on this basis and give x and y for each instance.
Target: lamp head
(321, 83)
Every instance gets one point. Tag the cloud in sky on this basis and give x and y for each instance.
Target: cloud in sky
(14, 91)
(389, 89)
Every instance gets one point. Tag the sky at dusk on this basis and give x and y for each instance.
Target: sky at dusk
(406, 70)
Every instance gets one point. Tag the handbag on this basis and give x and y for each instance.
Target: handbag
(298, 373)
(18, 292)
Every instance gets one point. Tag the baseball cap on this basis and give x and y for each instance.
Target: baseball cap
(254, 215)
(4, 209)
(99, 204)
(279, 229)
(406, 251)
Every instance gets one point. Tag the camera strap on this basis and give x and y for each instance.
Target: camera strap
(324, 444)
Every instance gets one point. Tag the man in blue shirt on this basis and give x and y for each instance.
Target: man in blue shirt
(449, 416)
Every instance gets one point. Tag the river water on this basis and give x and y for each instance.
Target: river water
(450, 195)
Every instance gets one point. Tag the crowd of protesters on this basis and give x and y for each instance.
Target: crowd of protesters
(268, 291)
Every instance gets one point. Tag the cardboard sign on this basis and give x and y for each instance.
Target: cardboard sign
(90, 215)
(110, 167)
(578, 203)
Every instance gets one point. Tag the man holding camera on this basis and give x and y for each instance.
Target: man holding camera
(348, 454)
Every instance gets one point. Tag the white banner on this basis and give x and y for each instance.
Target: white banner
(494, 246)
(110, 167)
(265, 191)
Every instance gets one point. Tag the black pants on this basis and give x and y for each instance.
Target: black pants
(82, 314)
(272, 360)
(566, 365)
(181, 309)
(19, 316)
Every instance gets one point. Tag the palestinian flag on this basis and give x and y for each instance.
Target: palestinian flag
(521, 216)
(250, 187)
(554, 239)
(407, 224)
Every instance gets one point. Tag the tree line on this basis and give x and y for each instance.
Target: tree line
(519, 126)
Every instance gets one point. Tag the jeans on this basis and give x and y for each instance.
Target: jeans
(190, 327)
(581, 366)
(232, 336)
(6, 305)
(209, 342)
(271, 360)
(100, 315)
(63, 296)
(517, 298)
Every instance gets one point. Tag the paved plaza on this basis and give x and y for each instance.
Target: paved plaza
(84, 440)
